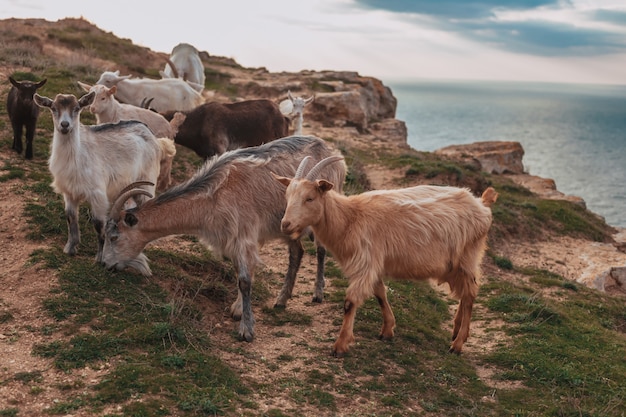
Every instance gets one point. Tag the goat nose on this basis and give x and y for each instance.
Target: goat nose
(284, 225)
(65, 124)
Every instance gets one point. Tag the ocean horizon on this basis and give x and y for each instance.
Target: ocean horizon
(574, 134)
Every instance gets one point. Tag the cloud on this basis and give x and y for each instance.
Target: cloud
(455, 9)
(534, 27)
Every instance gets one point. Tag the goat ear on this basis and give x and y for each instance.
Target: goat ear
(283, 180)
(87, 99)
(130, 219)
(42, 101)
(86, 87)
(112, 90)
(310, 99)
(324, 185)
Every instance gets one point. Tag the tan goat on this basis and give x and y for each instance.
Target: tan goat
(408, 234)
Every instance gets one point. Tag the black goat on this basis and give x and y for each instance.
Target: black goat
(23, 112)
(214, 128)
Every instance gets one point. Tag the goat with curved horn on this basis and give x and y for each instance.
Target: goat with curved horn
(129, 191)
(303, 164)
(416, 233)
(317, 169)
(232, 203)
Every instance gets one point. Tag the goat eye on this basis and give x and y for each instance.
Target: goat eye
(308, 200)
(113, 238)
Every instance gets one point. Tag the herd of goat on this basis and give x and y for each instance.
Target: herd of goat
(254, 186)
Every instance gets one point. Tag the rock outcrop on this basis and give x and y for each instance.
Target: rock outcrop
(506, 158)
(342, 98)
(493, 157)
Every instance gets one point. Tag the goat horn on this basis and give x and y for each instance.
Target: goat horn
(126, 193)
(315, 171)
(173, 67)
(302, 167)
(135, 184)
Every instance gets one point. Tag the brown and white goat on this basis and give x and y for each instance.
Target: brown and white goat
(23, 113)
(214, 128)
(232, 204)
(407, 234)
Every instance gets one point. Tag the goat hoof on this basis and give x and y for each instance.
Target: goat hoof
(318, 300)
(247, 337)
(70, 251)
(338, 355)
(279, 306)
(453, 350)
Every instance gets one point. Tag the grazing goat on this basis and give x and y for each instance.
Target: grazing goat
(94, 163)
(23, 112)
(214, 128)
(232, 204)
(108, 110)
(167, 94)
(408, 234)
(294, 108)
(185, 63)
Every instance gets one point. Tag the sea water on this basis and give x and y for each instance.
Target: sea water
(574, 134)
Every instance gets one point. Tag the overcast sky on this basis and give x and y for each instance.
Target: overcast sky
(580, 41)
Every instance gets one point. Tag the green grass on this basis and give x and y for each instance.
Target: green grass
(560, 350)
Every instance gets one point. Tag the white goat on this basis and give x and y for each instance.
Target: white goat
(108, 110)
(167, 94)
(408, 234)
(94, 163)
(233, 204)
(185, 63)
(293, 107)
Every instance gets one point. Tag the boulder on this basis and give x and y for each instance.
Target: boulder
(391, 131)
(495, 157)
(612, 280)
(356, 101)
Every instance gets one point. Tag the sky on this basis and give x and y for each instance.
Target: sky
(571, 41)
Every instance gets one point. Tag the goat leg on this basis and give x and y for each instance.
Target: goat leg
(246, 326)
(73, 238)
(30, 134)
(99, 226)
(17, 138)
(389, 321)
(318, 295)
(296, 251)
(464, 315)
(346, 334)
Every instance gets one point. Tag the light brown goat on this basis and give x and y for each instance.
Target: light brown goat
(407, 234)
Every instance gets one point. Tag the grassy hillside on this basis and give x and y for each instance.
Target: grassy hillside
(541, 345)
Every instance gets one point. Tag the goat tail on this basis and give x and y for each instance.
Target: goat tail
(489, 197)
(168, 149)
